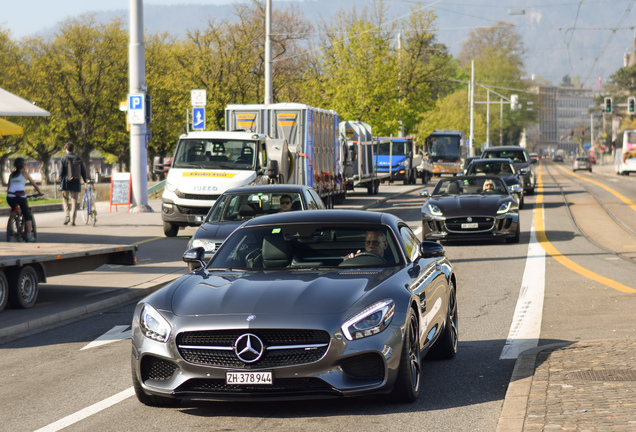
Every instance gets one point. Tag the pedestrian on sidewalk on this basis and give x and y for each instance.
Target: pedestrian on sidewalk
(72, 174)
(16, 195)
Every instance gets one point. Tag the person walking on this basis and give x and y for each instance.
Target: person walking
(16, 195)
(72, 173)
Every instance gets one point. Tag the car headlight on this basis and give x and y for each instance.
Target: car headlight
(436, 211)
(208, 245)
(170, 187)
(404, 163)
(153, 325)
(504, 208)
(370, 321)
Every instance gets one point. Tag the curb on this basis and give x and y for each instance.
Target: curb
(513, 412)
(4, 211)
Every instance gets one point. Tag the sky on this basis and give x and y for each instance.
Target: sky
(584, 38)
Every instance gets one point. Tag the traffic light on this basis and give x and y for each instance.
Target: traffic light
(608, 105)
(572, 133)
(582, 132)
(631, 108)
(514, 102)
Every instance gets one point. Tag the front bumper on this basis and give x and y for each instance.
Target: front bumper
(488, 227)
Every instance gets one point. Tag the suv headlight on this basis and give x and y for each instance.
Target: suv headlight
(208, 245)
(170, 187)
(370, 321)
(153, 325)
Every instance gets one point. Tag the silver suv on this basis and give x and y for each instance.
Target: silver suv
(582, 163)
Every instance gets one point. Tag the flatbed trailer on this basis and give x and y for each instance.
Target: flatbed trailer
(24, 265)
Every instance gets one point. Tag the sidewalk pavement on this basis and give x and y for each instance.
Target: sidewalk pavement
(579, 386)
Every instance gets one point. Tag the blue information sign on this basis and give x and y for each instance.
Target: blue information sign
(198, 118)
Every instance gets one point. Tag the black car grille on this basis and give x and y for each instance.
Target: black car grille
(283, 385)
(190, 196)
(365, 366)
(193, 210)
(154, 368)
(484, 223)
(294, 347)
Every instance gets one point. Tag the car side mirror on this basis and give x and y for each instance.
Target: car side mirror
(515, 188)
(425, 193)
(195, 256)
(431, 249)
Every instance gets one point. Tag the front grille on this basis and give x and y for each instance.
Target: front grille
(484, 223)
(217, 347)
(287, 385)
(153, 368)
(365, 366)
(190, 196)
(193, 210)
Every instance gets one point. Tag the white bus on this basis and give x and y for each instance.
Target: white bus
(625, 152)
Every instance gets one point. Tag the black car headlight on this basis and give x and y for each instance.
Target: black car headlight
(208, 245)
(153, 325)
(504, 208)
(434, 210)
(370, 321)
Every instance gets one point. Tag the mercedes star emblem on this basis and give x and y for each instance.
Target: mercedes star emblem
(249, 348)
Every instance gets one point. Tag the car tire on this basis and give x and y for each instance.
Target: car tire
(4, 290)
(445, 347)
(170, 230)
(408, 381)
(23, 287)
(151, 400)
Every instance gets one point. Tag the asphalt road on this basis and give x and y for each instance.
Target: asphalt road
(60, 378)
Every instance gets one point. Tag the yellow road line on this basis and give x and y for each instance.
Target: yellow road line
(552, 251)
(607, 188)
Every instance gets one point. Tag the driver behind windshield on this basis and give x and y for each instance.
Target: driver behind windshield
(375, 242)
(489, 186)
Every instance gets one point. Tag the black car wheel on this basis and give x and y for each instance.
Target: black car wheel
(170, 230)
(446, 346)
(407, 384)
(517, 236)
(23, 287)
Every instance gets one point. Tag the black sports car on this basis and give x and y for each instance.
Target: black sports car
(312, 304)
(237, 205)
(470, 208)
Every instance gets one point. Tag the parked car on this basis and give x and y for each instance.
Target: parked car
(582, 163)
(295, 305)
(237, 205)
(522, 161)
(503, 168)
(464, 209)
(534, 156)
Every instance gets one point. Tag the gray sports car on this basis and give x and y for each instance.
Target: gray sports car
(470, 208)
(316, 304)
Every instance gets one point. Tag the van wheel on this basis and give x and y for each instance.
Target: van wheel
(23, 287)
(170, 230)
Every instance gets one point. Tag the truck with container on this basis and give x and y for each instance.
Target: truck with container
(313, 155)
(359, 167)
(23, 266)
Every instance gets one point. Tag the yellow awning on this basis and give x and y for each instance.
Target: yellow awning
(8, 128)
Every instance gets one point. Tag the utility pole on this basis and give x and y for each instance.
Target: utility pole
(138, 131)
(471, 138)
(268, 52)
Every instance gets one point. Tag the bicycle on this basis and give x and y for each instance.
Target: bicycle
(16, 225)
(88, 209)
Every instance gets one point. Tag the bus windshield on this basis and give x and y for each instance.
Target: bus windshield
(443, 148)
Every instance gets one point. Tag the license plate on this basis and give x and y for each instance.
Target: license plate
(470, 225)
(248, 378)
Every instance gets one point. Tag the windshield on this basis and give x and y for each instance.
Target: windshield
(399, 148)
(514, 155)
(307, 246)
(215, 153)
(244, 206)
(504, 169)
(470, 186)
(443, 148)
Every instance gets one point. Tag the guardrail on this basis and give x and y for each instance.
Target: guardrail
(156, 191)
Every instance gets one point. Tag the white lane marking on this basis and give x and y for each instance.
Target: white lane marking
(118, 332)
(417, 231)
(526, 322)
(87, 412)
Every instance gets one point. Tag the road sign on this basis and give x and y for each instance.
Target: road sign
(198, 118)
(198, 98)
(136, 109)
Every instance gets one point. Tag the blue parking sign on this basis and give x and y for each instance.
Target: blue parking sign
(198, 118)
(135, 102)
(136, 109)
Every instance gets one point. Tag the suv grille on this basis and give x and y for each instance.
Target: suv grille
(196, 196)
(281, 347)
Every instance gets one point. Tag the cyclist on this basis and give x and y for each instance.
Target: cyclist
(16, 195)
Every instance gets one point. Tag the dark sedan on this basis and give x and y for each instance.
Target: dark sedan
(238, 205)
(522, 161)
(503, 168)
(470, 208)
(313, 304)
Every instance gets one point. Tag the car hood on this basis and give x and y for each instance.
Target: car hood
(217, 230)
(468, 205)
(276, 292)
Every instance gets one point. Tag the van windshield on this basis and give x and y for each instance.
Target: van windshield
(215, 153)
